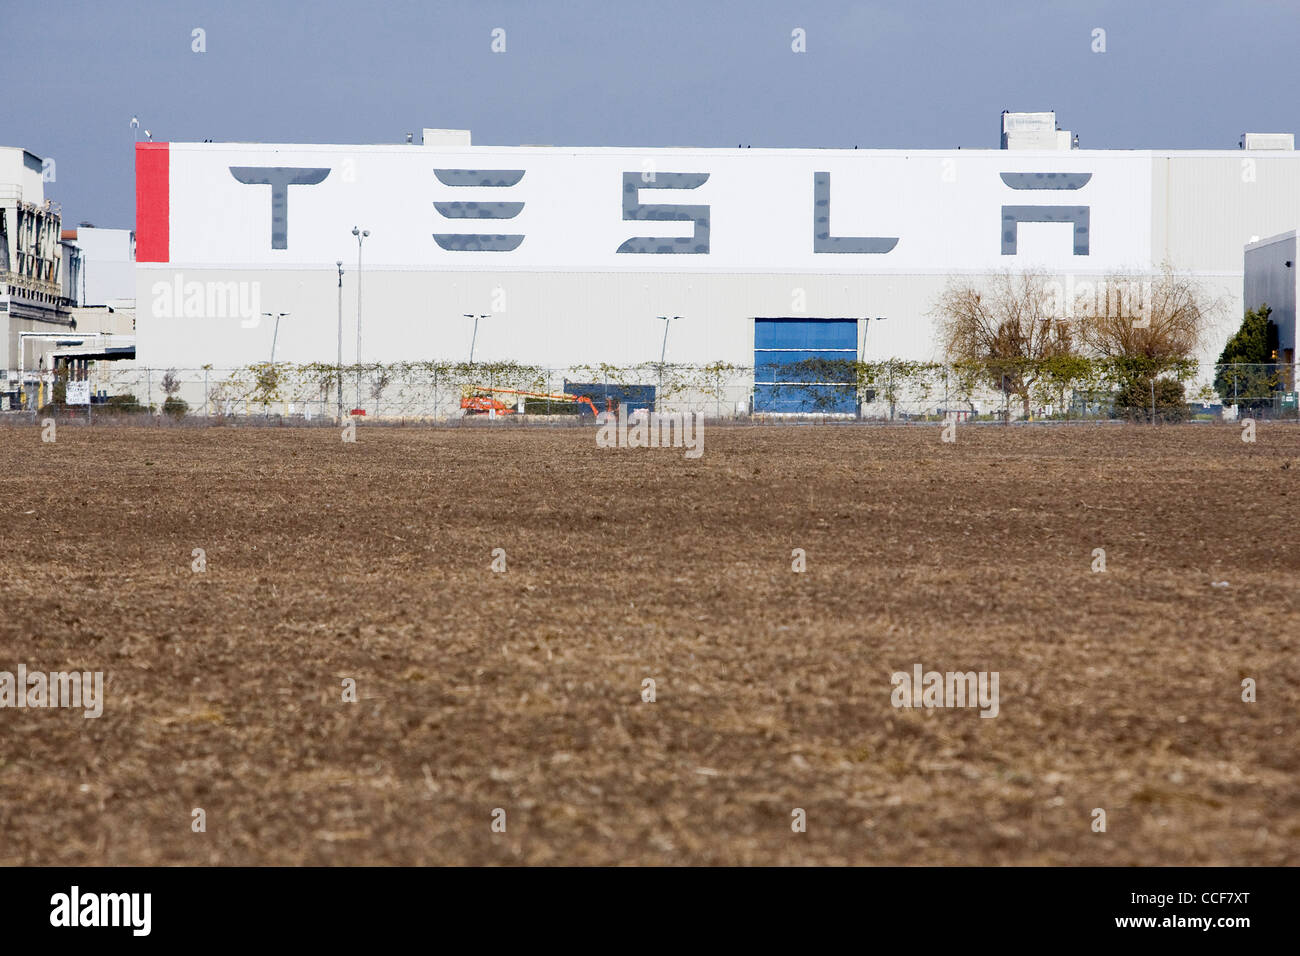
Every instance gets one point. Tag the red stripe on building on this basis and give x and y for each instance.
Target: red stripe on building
(152, 203)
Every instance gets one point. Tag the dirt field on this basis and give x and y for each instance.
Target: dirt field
(523, 690)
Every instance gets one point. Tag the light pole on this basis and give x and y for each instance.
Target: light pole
(339, 263)
(474, 338)
(862, 353)
(361, 235)
(663, 350)
(275, 335)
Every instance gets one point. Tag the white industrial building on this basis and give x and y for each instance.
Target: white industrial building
(46, 273)
(108, 266)
(1271, 279)
(35, 280)
(564, 256)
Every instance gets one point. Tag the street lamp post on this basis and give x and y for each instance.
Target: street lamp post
(276, 334)
(339, 397)
(270, 375)
(361, 235)
(474, 338)
(663, 350)
(862, 353)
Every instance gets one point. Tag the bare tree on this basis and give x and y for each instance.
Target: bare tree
(1146, 330)
(1156, 320)
(1009, 328)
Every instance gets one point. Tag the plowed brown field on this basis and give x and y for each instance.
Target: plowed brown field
(522, 690)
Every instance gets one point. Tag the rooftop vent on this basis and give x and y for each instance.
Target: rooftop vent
(1034, 131)
(445, 137)
(1268, 141)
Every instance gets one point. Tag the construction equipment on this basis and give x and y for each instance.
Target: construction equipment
(481, 400)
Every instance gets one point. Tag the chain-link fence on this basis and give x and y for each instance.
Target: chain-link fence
(896, 391)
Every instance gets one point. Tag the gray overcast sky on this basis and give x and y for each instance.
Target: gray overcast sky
(653, 73)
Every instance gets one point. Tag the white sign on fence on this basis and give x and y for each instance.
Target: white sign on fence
(78, 393)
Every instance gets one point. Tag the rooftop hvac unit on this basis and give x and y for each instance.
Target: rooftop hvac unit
(1268, 141)
(445, 137)
(1033, 131)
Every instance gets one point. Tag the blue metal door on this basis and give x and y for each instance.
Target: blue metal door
(805, 365)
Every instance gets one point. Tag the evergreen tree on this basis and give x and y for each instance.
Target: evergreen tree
(1247, 373)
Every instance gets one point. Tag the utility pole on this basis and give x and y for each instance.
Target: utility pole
(474, 339)
(891, 390)
(862, 357)
(276, 334)
(862, 352)
(361, 235)
(339, 263)
(667, 321)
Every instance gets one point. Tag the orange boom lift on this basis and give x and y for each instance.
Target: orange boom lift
(479, 400)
